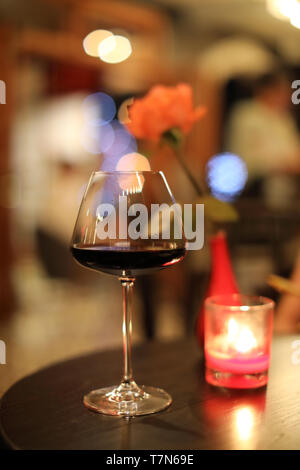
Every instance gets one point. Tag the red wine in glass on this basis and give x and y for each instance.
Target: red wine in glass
(126, 258)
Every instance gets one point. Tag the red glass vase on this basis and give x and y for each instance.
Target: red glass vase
(222, 279)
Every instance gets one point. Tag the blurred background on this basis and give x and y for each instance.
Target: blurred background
(240, 57)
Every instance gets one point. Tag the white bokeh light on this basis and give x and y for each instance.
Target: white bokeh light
(92, 40)
(288, 10)
(114, 49)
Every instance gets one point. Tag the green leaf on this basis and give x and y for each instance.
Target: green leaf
(173, 137)
(218, 211)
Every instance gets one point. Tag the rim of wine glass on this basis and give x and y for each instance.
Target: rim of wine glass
(261, 302)
(113, 172)
(132, 172)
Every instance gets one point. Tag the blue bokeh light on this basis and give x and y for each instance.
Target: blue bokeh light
(99, 109)
(123, 143)
(226, 176)
(102, 134)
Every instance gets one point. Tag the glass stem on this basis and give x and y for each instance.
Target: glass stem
(127, 287)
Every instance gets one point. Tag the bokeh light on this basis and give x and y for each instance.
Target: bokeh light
(289, 8)
(92, 40)
(133, 162)
(98, 109)
(97, 140)
(123, 111)
(132, 183)
(274, 7)
(102, 134)
(285, 10)
(123, 143)
(295, 21)
(226, 176)
(114, 49)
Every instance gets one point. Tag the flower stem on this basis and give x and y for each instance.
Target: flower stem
(174, 138)
(199, 188)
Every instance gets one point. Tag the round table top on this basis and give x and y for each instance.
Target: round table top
(45, 410)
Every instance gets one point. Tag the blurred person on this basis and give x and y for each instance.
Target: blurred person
(46, 136)
(56, 219)
(52, 168)
(263, 132)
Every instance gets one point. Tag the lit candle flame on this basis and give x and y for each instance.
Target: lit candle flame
(233, 329)
(240, 337)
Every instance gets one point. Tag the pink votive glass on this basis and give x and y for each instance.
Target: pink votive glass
(238, 336)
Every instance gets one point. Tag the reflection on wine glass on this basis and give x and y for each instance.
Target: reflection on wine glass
(128, 224)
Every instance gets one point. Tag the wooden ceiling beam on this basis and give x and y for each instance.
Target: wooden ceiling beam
(129, 15)
(61, 46)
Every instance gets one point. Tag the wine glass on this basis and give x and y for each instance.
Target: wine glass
(128, 224)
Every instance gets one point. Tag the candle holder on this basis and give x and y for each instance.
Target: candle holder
(238, 336)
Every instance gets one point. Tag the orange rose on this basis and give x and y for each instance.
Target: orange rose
(162, 109)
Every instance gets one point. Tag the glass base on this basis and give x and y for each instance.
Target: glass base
(242, 381)
(127, 399)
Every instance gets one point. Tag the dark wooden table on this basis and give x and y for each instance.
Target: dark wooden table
(45, 410)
